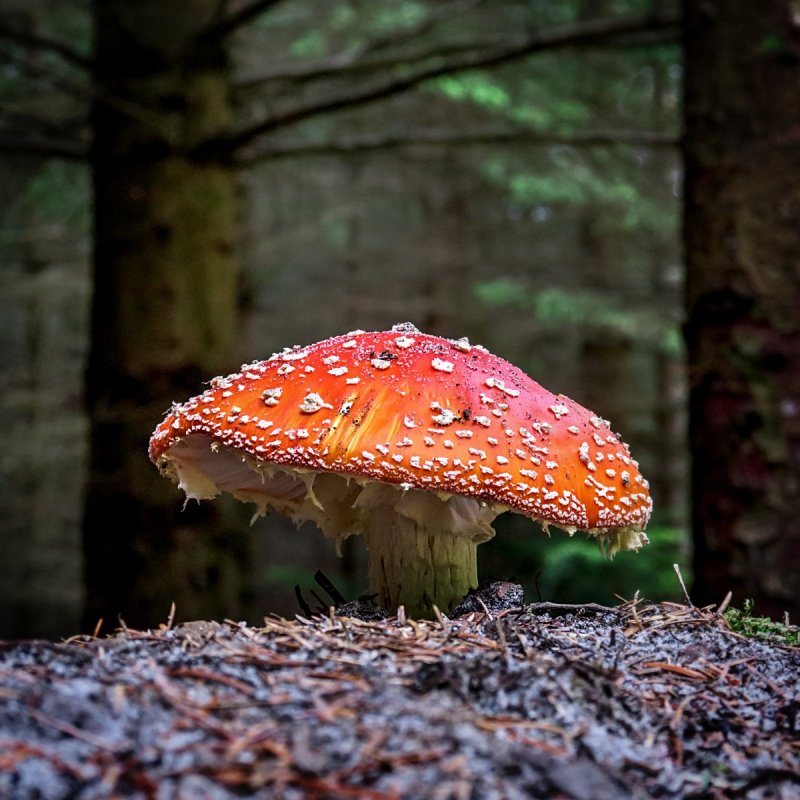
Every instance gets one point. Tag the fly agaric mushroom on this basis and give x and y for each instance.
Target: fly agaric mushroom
(414, 441)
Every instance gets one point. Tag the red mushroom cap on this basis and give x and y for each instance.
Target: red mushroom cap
(403, 407)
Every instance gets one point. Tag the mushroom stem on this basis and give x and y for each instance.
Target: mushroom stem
(418, 567)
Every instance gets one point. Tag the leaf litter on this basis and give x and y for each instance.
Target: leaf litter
(538, 701)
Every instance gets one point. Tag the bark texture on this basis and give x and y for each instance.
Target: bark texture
(163, 313)
(742, 238)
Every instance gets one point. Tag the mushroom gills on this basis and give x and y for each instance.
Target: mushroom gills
(420, 544)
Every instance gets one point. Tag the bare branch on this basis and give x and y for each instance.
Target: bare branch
(352, 63)
(34, 41)
(582, 34)
(353, 59)
(14, 119)
(43, 77)
(226, 25)
(440, 138)
(443, 11)
(43, 147)
(83, 93)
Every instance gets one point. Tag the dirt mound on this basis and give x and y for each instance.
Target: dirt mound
(633, 702)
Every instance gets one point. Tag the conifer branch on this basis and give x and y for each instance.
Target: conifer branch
(451, 138)
(35, 41)
(582, 34)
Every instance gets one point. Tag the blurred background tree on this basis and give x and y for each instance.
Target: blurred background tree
(195, 184)
(742, 237)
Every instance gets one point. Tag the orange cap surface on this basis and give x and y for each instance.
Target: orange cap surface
(408, 408)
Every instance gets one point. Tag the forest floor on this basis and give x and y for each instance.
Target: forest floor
(583, 702)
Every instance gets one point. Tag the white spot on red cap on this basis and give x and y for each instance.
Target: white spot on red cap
(272, 396)
(446, 417)
(294, 355)
(312, 403)
(441, 365)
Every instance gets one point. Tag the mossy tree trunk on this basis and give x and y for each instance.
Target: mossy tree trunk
(743, 289)
(164, 305)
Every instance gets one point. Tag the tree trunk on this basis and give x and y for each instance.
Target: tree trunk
(164, 306)
(742, 150)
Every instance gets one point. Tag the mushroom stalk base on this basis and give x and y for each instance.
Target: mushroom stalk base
(418, 567)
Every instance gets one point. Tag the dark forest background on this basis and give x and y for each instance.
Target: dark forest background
(603, 192)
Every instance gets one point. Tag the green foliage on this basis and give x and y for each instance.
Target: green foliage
(330, 27)
(60, 193)
(672, 342)
(72, 27)
(530, 100)
(477, 87)
(625, 90)
(398, 15)
(527, 100)
(572, 569)
(337, 232)
(287, 576)
(566, 569)
(569, 178)
(376, 18)
(773, 43)
(556, 307)
(309, 45)
(744, 622)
